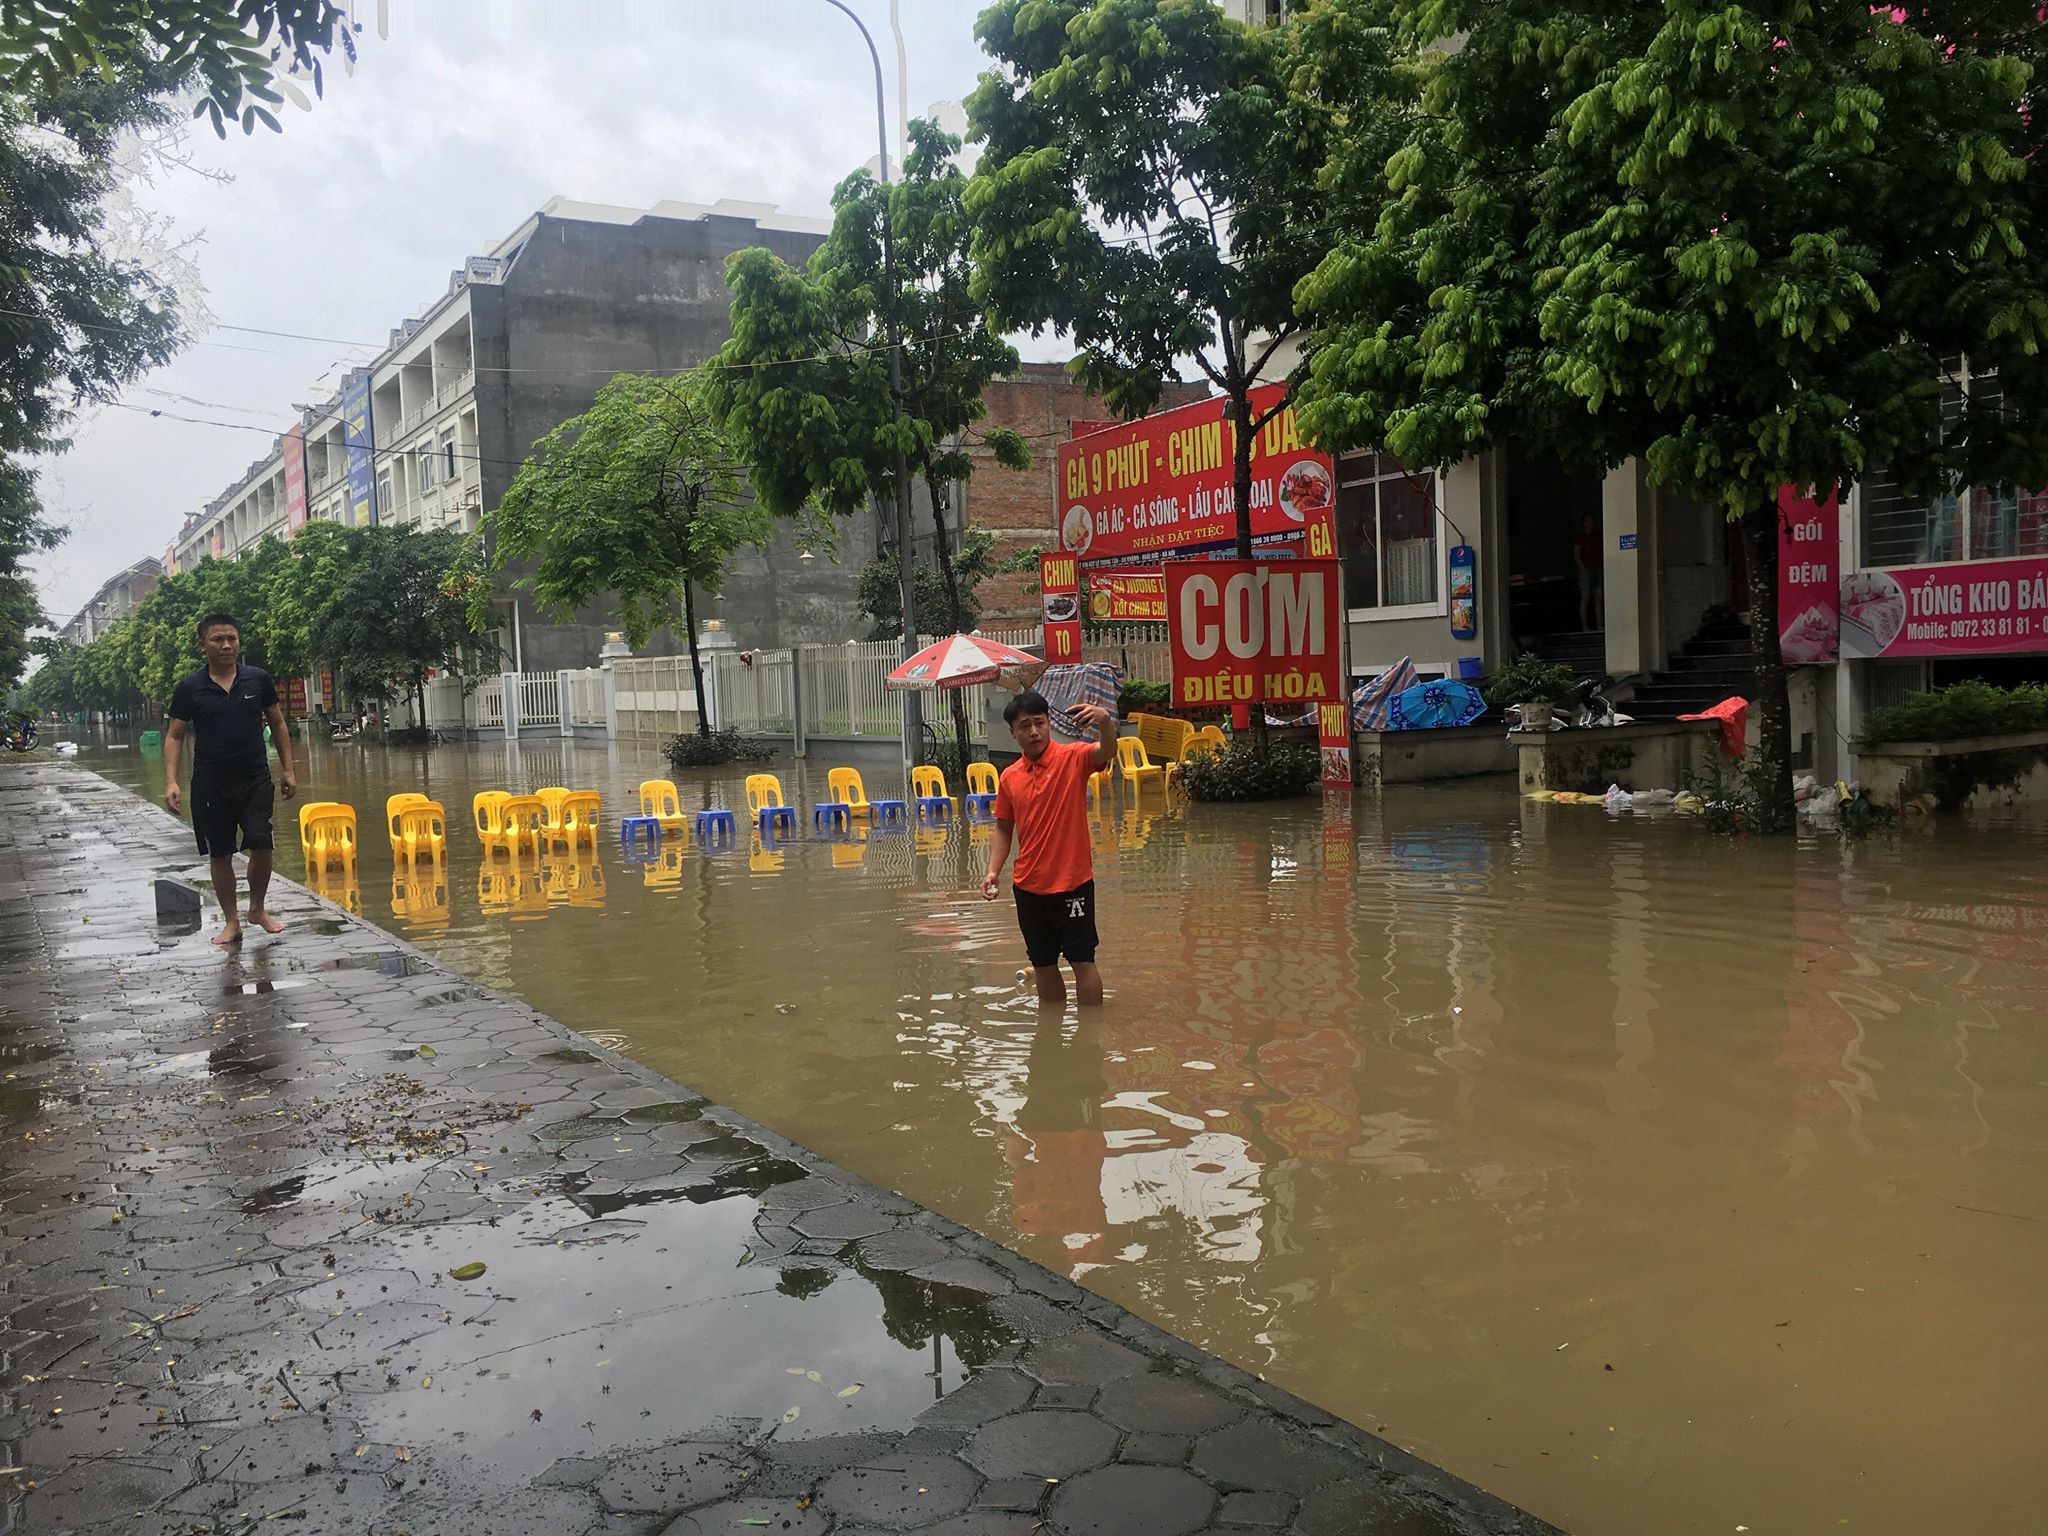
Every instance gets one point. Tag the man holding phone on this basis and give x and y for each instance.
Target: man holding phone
(1042, 811)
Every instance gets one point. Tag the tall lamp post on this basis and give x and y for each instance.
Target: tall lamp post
(905, 565)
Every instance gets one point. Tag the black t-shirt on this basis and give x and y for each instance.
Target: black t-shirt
(228, 722)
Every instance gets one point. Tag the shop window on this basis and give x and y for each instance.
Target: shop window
(1966, 523)
(1387, 533)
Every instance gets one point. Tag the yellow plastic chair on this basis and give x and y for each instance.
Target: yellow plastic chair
(420, 899)
(343, 887)
(526, 821)
(763, 790)
(1136, 766)
(420, 828)
(843, 785)
(1213, 735)
(928, 783)
(576, 818)
(982, 778)
(659, 799)
(1102, 788)
(393, 804)
(487, 811)
(327, 834)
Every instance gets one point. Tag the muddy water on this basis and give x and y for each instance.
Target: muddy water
(1656, 1182)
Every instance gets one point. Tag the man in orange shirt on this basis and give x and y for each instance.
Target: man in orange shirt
(1042, 807)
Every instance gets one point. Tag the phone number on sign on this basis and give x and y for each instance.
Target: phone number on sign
(2008, 628)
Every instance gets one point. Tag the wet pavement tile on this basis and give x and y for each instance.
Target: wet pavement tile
(320, 1233)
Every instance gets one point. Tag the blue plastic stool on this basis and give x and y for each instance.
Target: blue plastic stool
(717, 823)
(934, 808)
(633, 828)
(777, 818)
(981, 805)
(828, 815)
(887, 811)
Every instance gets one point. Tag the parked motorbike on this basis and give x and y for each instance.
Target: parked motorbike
(1593, 708)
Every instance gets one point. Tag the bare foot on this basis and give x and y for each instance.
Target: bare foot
(232, 934)
(266, 922)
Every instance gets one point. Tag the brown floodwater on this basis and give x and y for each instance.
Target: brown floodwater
(1655, 1181)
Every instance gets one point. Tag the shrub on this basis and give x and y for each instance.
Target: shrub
(1242, 772)
(1529, 679)
(1146, 697)
(1961, 709)
(693, 749)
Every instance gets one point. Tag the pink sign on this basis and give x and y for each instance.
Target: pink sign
(1974, 608)
(1809, 585)
(295, 478)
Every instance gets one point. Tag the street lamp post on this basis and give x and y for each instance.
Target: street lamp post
(905, 565)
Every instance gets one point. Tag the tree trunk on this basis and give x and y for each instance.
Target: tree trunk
(1240, 414)
(1772, 776)
(419, 699)
(956, 614)
(696, 662)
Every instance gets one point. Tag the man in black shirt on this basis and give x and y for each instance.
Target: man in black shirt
(227, 705)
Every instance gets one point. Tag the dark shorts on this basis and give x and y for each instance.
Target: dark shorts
(1061, 924)
(1591, 580)
(223, 808)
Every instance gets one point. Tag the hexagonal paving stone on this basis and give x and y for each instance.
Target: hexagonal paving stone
(1131, 1501)
(983, 1396)
(1260, 1454)
(671, 1477)
(1083, 1357)
(844, 1223)
(1162, 1404)
(752, 1517)
(899, 1492)
(1042, 1444)
(1344, 1508)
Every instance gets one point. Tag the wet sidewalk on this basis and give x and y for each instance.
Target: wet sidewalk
(318, 1233)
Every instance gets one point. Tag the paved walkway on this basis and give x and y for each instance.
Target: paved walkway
(321, 1234)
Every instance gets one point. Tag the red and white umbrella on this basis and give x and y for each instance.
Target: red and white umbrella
(962, 661)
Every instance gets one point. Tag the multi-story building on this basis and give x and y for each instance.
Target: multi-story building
(119, 595)
(432, 430)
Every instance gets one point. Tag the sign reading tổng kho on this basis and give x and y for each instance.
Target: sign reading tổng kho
(1247, 631)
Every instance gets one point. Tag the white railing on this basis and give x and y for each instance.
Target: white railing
(843, 692)
(586, 697)
(540, 701)
(655, 695)
(487, 704)
(755, 697)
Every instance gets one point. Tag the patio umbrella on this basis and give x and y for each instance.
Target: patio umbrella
(962, 661)
(1430, 705)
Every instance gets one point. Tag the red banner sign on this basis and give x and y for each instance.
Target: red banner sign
(1975, 608)
(1163, 487)
(295, 478)
(1127, 597)
(1059, 578)
(327, 690)
(295, 696)
(1249, 630)
(1809, 583)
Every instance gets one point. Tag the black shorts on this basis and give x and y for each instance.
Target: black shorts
(221, 808)
(1060, 924)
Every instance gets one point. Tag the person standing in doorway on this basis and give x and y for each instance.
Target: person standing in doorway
(227, 704)
(1042, 810)
(1591, 561)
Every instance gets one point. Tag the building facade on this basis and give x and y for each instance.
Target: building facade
(117, 597)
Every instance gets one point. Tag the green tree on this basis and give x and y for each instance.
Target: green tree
(1146, 189)
(1739, 241)
(396, 615)
(639, 498)
(807, 394)
(880, 596)
(24, 532)
(239, 51)
(52, 688)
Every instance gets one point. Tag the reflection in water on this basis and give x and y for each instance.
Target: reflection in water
(1655, 1181)
(419, 894)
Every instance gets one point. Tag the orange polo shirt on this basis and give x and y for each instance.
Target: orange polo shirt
(1047, 802)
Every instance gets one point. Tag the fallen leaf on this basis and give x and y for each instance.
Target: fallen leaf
(402, 1452)
(790, 1416)
(849, 1391)
(426, 1381)
(792, 1370)
(814, 1376)
(362, 1450)
(428, 1050)
(466, 1271)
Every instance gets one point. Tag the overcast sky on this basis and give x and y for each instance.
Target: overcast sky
(466, 118)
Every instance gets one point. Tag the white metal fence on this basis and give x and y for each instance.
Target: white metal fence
(540, 699)
(655, 695)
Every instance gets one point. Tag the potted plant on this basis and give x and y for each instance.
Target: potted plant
(1537, 687)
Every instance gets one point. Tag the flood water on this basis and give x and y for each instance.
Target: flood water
(1655, 1181)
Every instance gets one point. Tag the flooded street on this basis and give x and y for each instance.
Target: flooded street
(1653, 1181)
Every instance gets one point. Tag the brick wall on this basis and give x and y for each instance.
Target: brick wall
(1039, 403)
